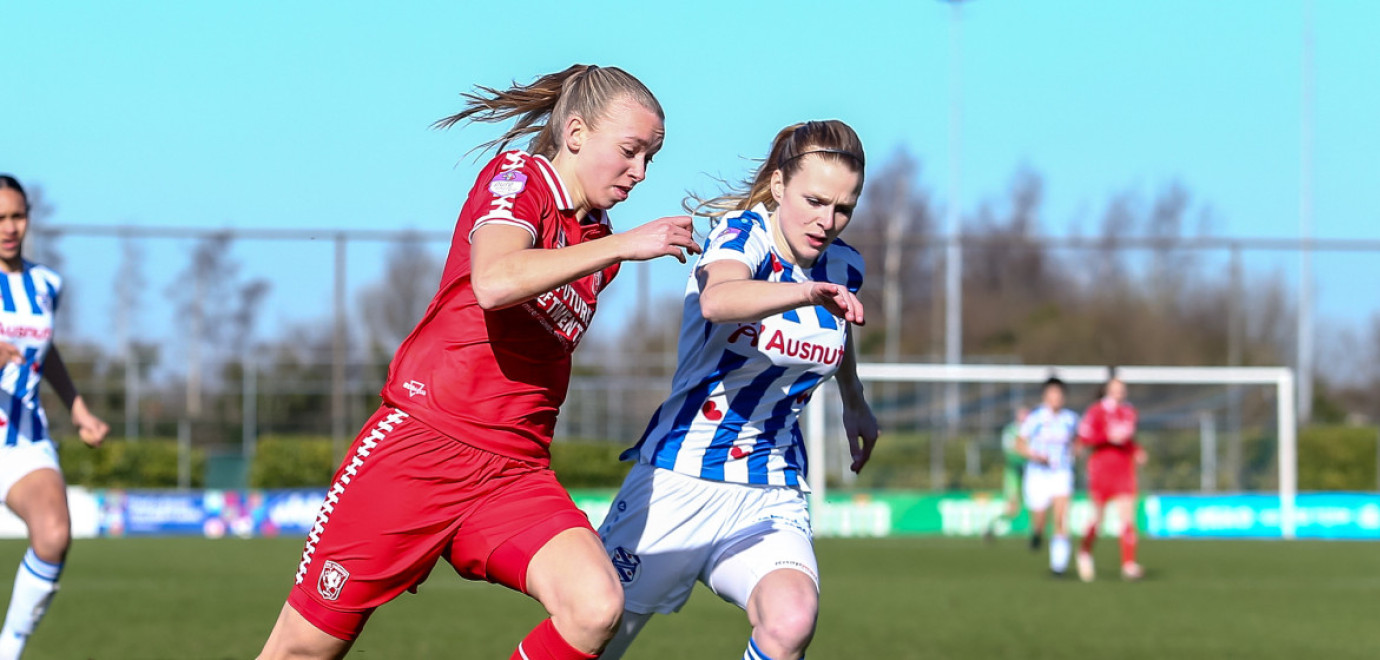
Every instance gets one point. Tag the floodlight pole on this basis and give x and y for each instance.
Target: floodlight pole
(1305, 313)
(953, 261)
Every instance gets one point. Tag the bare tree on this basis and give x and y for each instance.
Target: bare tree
(390, 308)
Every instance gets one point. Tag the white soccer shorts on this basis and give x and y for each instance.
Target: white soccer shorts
(666, 530)
(1042, 486)
(17, 461)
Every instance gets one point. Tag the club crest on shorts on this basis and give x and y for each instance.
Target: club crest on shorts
(508, 183)
(333, 577)
(626, 563)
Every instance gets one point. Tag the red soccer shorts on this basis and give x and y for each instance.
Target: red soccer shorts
(407, 496)
(1111, 474)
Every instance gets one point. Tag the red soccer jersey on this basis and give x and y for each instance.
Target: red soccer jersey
(496, 379)
(1104, 421)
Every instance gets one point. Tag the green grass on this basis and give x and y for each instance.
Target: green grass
(894, 598)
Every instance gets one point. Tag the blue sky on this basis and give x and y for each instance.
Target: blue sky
(316, 114)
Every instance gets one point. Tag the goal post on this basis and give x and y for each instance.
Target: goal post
(1281, 378)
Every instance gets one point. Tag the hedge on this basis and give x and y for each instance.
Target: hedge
(1330, 458)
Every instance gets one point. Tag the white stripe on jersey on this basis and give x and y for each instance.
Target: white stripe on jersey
(28, 300)
(1051, 434)
(739, 387)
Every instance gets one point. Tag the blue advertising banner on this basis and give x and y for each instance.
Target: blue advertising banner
(1316, 516)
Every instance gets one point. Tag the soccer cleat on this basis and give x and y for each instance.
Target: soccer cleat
(1086, 572)
(1132, 571)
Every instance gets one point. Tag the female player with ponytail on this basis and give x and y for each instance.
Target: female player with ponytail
(455, 464)
(718, 494)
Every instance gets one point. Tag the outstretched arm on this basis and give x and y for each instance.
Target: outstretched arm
(859, 424)
(90, 427)
(728, 294)
(507, 271)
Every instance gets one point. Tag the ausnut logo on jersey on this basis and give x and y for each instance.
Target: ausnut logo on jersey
(792, 343)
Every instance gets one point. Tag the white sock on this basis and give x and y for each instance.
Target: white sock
(34, 587)
(1059, 554)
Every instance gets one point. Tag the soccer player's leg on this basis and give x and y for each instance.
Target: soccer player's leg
(769, 570)
(657, 535)
(1059, 541)
(39, 498)
(529, 536)
(1126, 510)
(357, 558)
(1037, 500)
(1087, 571)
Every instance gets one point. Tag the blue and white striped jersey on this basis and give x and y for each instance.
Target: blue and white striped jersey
(1052, 434)
(739, 387)
(28, 300)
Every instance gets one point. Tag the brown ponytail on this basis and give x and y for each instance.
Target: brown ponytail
(830, 139)
(543, 106)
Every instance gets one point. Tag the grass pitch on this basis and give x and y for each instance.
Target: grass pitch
(892, 598)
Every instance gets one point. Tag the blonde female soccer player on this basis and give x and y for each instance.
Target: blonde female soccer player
(718, 494)
(455, 464)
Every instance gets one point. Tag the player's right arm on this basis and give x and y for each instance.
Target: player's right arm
(507, 270)
(729, 294)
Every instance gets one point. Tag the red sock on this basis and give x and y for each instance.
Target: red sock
(1128, 544)
(544, 643)
(1089, 537)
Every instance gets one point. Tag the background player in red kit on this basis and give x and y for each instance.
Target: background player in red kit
(455, 464)
(1109, 431)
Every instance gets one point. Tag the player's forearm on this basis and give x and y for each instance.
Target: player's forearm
(743, 301)
(521, 275)
(55, 372)
(850, 387)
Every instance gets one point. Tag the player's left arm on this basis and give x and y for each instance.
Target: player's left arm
(91, 428)
(858, 421)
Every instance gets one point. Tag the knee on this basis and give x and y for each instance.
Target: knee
(597, 611)
(789, 626)
(50, 539)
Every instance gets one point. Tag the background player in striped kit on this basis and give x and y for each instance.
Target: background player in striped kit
(718, 491)
(456, 462)
(1108, 429)
(1047, 439)
(31, 482)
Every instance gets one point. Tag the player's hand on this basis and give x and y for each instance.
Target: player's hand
(838, 300)
(90, 428)
(860, 425)
(1040, 458)
(1141, 457)
(9, 353)
(664, 237)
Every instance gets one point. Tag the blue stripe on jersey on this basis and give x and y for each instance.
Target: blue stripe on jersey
(761, 451)
(743, 224)
(739, 411)
(820, 273)
(52, 294)
(21, 387)
(797, 459)
(790, 315)
(855, 279)
(32, 292)
(40, 430)
(669, 446)
(5, 293)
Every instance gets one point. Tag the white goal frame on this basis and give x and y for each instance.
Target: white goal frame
(1282, 378)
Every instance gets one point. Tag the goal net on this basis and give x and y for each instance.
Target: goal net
(1206, 429)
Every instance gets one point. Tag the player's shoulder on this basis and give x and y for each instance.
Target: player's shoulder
(750, 221)
(516, 172)
(43, 274)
